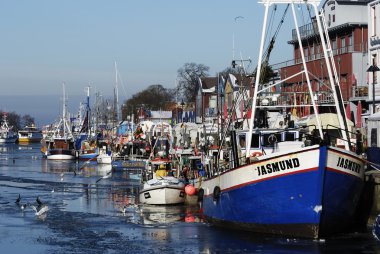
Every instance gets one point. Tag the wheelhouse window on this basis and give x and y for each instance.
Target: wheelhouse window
(374, 137)
(255, 142)
(269, 139)
(289, 136)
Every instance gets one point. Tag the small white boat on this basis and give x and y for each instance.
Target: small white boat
(167, 190)
(162, 189)
(104, 159)
(104, 156)
(7, 135)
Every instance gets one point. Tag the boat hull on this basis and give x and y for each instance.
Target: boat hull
(8, 140)
(88, 156)
(60, 154)
(162, 193)
(310, 196)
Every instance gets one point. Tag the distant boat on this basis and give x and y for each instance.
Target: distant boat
(60, 146)
(86, 142)
(7, 135)
(104, 156)
(30, 134)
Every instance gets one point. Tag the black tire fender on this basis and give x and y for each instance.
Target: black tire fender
(216, 193)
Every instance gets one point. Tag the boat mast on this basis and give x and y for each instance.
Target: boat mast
(116, 94)
(306, 72)
(258, 72)
(88, 112)
(328, 55)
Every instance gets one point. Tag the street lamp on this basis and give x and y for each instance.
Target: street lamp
(373, 68)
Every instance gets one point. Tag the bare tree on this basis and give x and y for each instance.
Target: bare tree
(27, 120)
(188, 77)
(154, 97)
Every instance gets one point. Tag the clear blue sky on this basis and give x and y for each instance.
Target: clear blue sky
(46, 42)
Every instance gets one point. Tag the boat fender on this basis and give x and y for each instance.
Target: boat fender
(216, 193)
(201, 192)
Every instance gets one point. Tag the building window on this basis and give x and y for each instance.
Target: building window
(312, 52)
(334, 47)
(306, 54)
(318, 51)
(350, 43)
(334, 18)
(343, 45)
(329, 21)
(373, 18)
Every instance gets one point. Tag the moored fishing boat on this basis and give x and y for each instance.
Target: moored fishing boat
(163, 188)
(7, 135)
(289, 182)
(60, 145)
(30, 134)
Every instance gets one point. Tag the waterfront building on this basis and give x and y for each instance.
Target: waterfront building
(206, 99)
(347, 25)
(373, 54)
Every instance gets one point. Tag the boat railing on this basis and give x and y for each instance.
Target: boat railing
(355, 147)
(129, 157)
(307, 134)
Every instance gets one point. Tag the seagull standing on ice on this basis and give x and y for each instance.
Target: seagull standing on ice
(18, 199)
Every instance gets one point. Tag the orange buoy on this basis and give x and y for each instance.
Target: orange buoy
(190, 190)
(189, 218)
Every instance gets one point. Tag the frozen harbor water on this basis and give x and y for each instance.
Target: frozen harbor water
(86, 217)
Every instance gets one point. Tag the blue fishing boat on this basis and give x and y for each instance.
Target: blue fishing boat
(291, 181)
(86, 140)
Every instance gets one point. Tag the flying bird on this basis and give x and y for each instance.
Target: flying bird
(238, 17)
(108, 175)
(40, 209)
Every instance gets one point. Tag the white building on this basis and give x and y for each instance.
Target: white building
(373, 53)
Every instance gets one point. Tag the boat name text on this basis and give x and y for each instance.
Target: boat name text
(350, 165)
(278, 166)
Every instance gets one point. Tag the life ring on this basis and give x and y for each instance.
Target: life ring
(272, 139)
(200, 194)
(256, 154)
(216, 193)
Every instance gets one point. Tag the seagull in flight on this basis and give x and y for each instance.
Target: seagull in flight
(238, 17)
(108, 175)
(40, 209)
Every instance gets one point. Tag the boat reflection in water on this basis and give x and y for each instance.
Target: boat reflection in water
(52, 166)
(152, 214)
